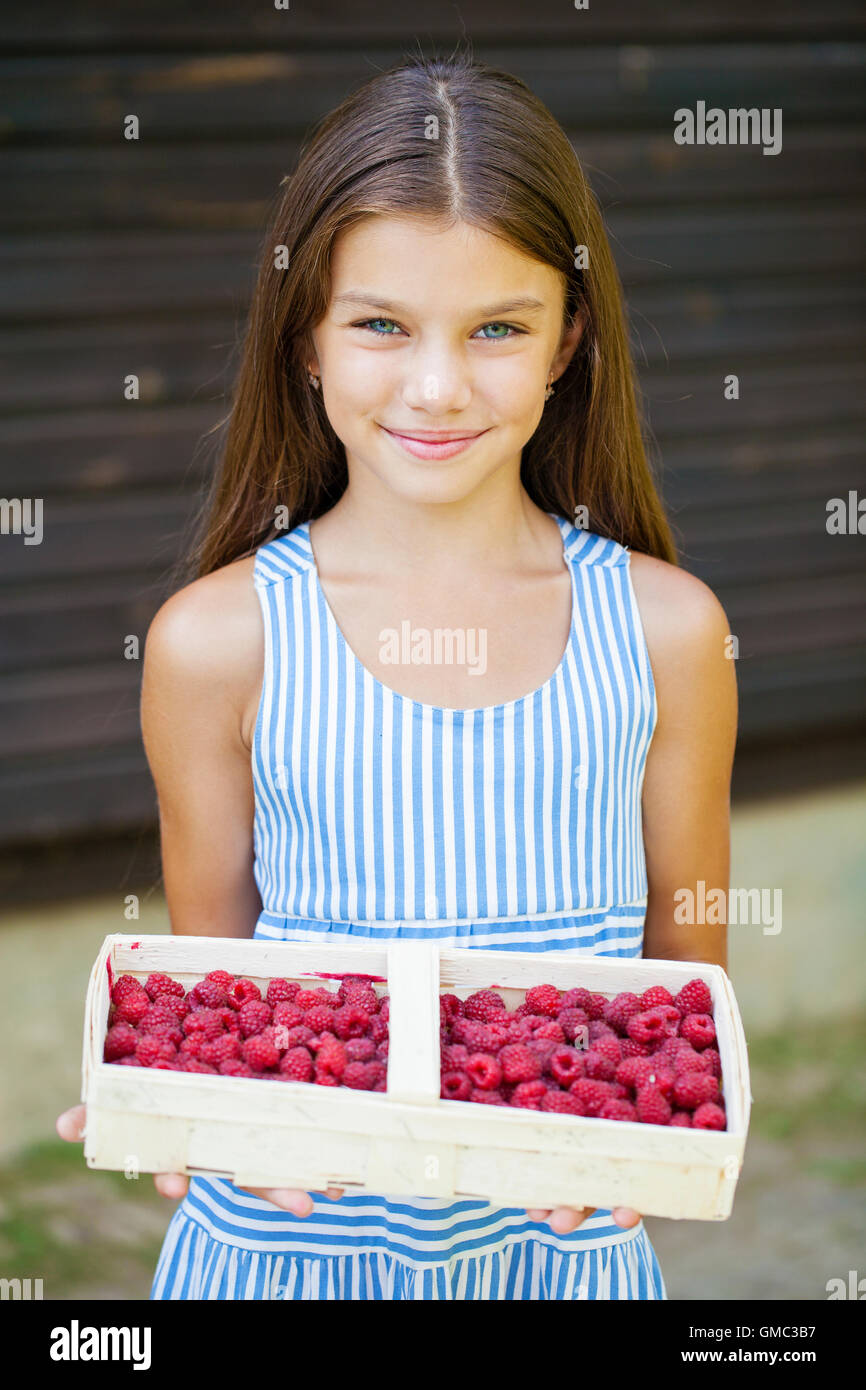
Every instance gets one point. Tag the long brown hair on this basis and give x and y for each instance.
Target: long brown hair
(501, 162)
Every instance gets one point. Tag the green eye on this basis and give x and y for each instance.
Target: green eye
(368, 322)
(506, 326)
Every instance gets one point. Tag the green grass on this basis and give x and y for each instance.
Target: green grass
(810, 1082)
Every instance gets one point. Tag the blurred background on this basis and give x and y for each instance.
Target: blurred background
(122, 257)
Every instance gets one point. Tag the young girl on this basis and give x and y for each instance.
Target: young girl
(434, 429)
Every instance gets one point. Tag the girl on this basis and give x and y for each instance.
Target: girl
(434, 426)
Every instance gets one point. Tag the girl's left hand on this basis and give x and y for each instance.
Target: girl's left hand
(564, 1220)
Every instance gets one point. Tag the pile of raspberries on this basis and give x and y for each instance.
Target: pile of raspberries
(647, 1058)
(223, 1026)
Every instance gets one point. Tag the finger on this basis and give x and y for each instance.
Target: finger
(288, 1198)
(171, 1185)
(564, 1220)
(70, 1125)
(538, 1213)
(625, 1216)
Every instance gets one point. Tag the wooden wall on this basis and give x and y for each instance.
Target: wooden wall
(121, 257)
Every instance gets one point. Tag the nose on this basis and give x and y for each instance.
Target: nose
(437, 381)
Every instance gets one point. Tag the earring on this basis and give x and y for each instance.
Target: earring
(549, 392)
(313, 380)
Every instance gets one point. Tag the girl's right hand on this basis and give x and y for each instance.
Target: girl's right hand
(70, 1126)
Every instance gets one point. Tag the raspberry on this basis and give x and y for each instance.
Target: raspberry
(361, 994)
(681, 1119)
(221, 977)
(573, 1023)
(473, 1034)
(319, 1018)
(241, 992)
(688, 1060)
(331, 1058)
(177, 1007)
(454, 1057)
(593, 1005)
(286, 1014)
(132, 1008)
(223, 1049)
(229, 1017)
(207, 1022)
(483, 1006)
(543, 1048)
(694, 1088)
(158, 1015)
(208, 994)
(281, 991)
(550, 1030)
(656, 997)
(608, 1047)
(452, 1005)
(130, 1061)
(382, 1051)
(124, 987)
(597, 1028)
(306, 999)
(161, 984)
(598, 1067)
(591, 1094)
(617, 1110)
(694, 998)
(253, 1016)
(518, 1063)
(709, 1116)
(654, 1025)
(234, 1067)
(618, 1011)
(380, 1071)
(357, 1076)
(715, 1061)
(192, 1046)
(652, 1107)
(528, 1095)
(627, 1071)
(192, 1064)
(167, 1032)
(544, 999)
(498, 1034)
(488, 1097)
(384, 1006)
(349, 1021)
(152, 1050)
(296, 1064)
(120, 1041)
(699, 1030)
(630, 1048)
(561, 1103)
(455, 1085)
(566, 1065)
(360, 1049)
(318, 1040)
(483, 1071)
(259, 1053)
(378, 1029)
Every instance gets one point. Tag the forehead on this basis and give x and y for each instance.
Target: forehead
(428, 265)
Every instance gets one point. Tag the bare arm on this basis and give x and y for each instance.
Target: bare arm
(686, 795)
(202, 663)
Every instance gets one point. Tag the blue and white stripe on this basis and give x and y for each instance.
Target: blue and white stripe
(516, 826)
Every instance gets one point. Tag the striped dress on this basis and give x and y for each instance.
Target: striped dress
(512, 827)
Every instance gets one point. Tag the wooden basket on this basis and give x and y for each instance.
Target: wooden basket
(405, 1141)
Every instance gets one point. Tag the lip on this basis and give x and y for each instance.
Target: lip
(434, 444)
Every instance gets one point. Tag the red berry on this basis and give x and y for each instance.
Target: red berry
(561, 1103)
(688, 1060)
(484, 1005)
(296, 1064)
(694, 1088)
(452, 1005)
(654, 1025)
(234, 1067)
(528, 1095)
(299, 1037)
(223, 1049)
(124, 987)
(698, 1029)
(349, 1021)
(575, 1025)
(599, 1067)
(331, 1058)
(709, 1116)
(120, 1041)
(242, 991)
(617, 1110)
(161, 984)
(518, 1063)
(253, 1016)
(681, 1119)
(221, 977)
(488, 1097)
(259, 1053)
(544, 999)
(152, 1050)
(710, 1054)
(207, 1022)
(655, 997)
(591, 1094)
(281, 991)
(618, 1011)
(694, 998)
(287, 1014)
(455, 1085)
(652, 1107)
(360, 1049)
(566, 1064)
(132, 1008)
(208, 994)
(484, 1071)
(194, 1065)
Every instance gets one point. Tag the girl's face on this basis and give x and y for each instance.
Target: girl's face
(424, 340)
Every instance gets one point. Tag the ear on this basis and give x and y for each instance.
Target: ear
(568, 345)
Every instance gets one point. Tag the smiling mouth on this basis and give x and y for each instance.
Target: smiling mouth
(435, 436)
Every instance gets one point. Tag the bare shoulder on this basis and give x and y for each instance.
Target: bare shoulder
(207, 638)
(676, 606)
(685, 625)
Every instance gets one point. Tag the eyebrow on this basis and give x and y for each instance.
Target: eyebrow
(520, 304)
